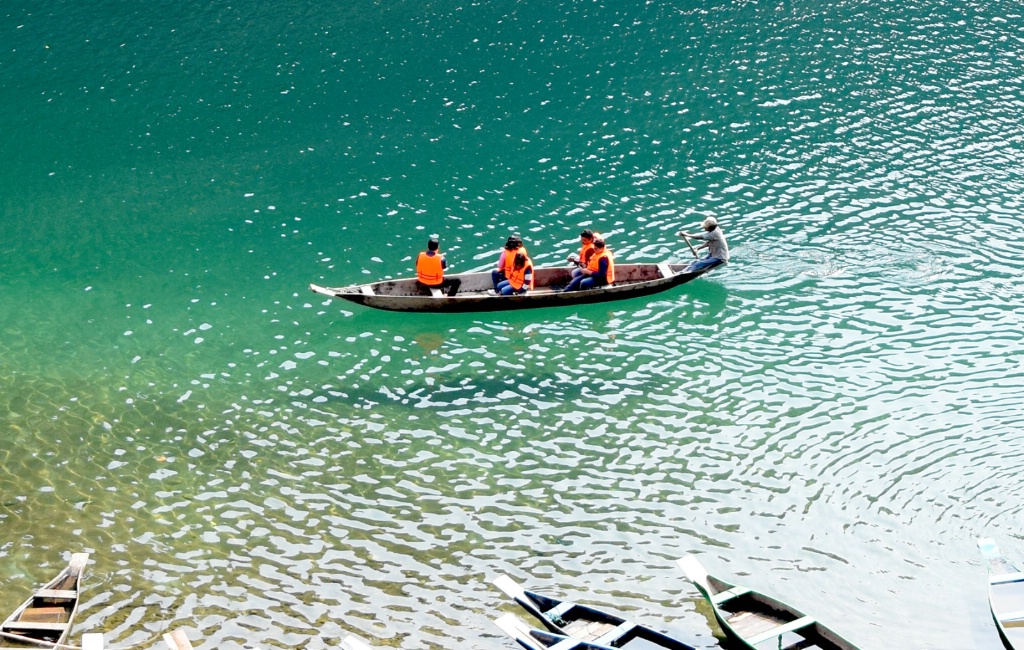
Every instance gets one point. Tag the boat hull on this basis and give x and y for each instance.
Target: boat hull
(476, 295)
(45, 619)
(591, 627)
(1005, 595)
(756, 621)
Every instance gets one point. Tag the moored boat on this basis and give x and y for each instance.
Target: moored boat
(1005, 594)
(534, 639)
(754, 620)
(595, 627)
(475, 292)
(45, 619)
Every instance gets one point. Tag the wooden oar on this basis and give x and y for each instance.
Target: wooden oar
(687, 240)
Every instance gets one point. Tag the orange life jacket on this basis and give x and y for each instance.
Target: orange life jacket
(586, 252)
(518, 276)
(429, 270)
(595, 264)
(510, 259)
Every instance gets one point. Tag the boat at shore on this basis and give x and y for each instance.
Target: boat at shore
(476, 291)
(45, 619)
(1005, 594)
(593, 627)
(759, 622)
(534, 639)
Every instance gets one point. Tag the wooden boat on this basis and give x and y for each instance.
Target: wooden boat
(534, 639)
(45, 619)
(592, 626)
(754, 620)
(1005, 595)
(476, 292)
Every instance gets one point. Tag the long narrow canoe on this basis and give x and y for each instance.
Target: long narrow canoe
(597, 628)
(476, 292)
(1005, 595)
(45, 619)
(754, 620)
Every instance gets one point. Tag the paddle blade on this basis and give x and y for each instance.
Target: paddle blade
(510, 588)
(511, 625)
(695, 573)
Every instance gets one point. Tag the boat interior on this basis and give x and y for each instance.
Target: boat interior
(1007, 596)
(48, 613)
(547, 280)
(765, 627)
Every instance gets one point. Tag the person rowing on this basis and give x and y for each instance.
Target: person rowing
(714, 241)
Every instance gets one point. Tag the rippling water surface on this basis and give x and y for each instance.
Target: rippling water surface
(833, 418)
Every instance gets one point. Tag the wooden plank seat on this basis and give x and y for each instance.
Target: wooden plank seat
(1012, 616)
(665, 271)
(29, 625)
(610, 637)
(57, 594)
(557, 613)
(723, 596)
(792, 626)
(1006, 577)
(367, 290)
(44, 615)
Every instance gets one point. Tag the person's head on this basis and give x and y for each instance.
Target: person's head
(433, 244)
(710, 224)
(599, 242)
(514, 241)
(520, 260)
(587, 236)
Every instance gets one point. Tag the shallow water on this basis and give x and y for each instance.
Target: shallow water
(832, 418)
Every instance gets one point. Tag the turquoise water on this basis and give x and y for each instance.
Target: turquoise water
(833, 418)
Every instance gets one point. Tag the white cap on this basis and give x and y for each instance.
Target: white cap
(710, 222)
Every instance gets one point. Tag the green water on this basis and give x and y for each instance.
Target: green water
(833, 418)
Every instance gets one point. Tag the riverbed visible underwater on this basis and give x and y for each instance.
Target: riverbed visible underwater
(833, 418)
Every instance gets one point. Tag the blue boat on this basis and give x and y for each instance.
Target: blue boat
(580, 627)
(1005, 594)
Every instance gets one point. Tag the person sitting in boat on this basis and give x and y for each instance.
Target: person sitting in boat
(520, 279)
(430, 266)
(506, 259)
(586, 251)
(599, 271)
(714, 241)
